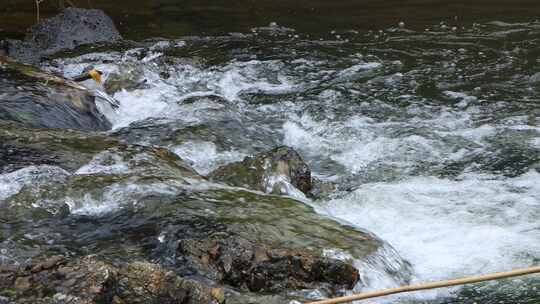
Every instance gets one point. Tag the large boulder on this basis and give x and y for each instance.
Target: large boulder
(276, 171)
(65, 31)
(131, 204)
(38, 99)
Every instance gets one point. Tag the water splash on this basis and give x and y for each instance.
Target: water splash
(451, 228)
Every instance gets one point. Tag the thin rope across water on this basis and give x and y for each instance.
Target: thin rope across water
(440, 284)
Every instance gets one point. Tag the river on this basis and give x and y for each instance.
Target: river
(138, 19)
(430, 131)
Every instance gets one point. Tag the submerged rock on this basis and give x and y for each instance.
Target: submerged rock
(37, 99)
(65, 31)
(273, 172)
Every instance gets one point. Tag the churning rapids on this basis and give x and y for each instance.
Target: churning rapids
(432, 138)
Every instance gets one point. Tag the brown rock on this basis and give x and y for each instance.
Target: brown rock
(270, 172)
(90, 281)
(214, 252)
(252, 267)
(23, 284)
(260, 255)
(218, 295)
(37, 268)
(53, 261)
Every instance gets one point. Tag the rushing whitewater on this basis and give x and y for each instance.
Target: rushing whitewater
(432, 139)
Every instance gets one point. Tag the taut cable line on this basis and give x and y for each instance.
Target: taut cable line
(440, 284)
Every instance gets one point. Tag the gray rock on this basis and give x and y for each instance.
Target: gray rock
(38, 99)
(71, 28)
(21, 146)
(142, 282)
(270, 172)
(535, 78)
(65, 31)
(88, 281)
(23, 51)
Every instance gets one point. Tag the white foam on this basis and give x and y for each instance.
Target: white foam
(156, 101)
(242, 77)
(536, 142)
(360, 142)
(106, 163)
(281, 184)
(350, 71)
(32, 176)
(463, 99)
(393, 151)
(297, 136)
(451, 228)
(115, 197)
(163, 97)
(205, 157)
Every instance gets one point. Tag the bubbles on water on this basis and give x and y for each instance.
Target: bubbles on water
(451, 228)
(32, 177)
(204, 156)
(280, 184)
(105, 163)
(463, 99)
(116, 196)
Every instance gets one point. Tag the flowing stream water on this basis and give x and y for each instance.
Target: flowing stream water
(431, 138)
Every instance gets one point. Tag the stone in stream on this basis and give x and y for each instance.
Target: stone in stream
(259, 243)
(21, 146)
(65, 31)
(41, 100)
(89, 280)
(241, 263)
(534, 79)
(270, 172)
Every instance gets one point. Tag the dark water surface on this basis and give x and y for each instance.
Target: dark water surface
(170, 18)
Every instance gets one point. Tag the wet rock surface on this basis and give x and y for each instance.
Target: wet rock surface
(243, 264)
(218, 123)
(22, 146)
(38, 99)
(65, 31)
(125, 203)
(270, 172)
(22, 51)
(90, 280)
